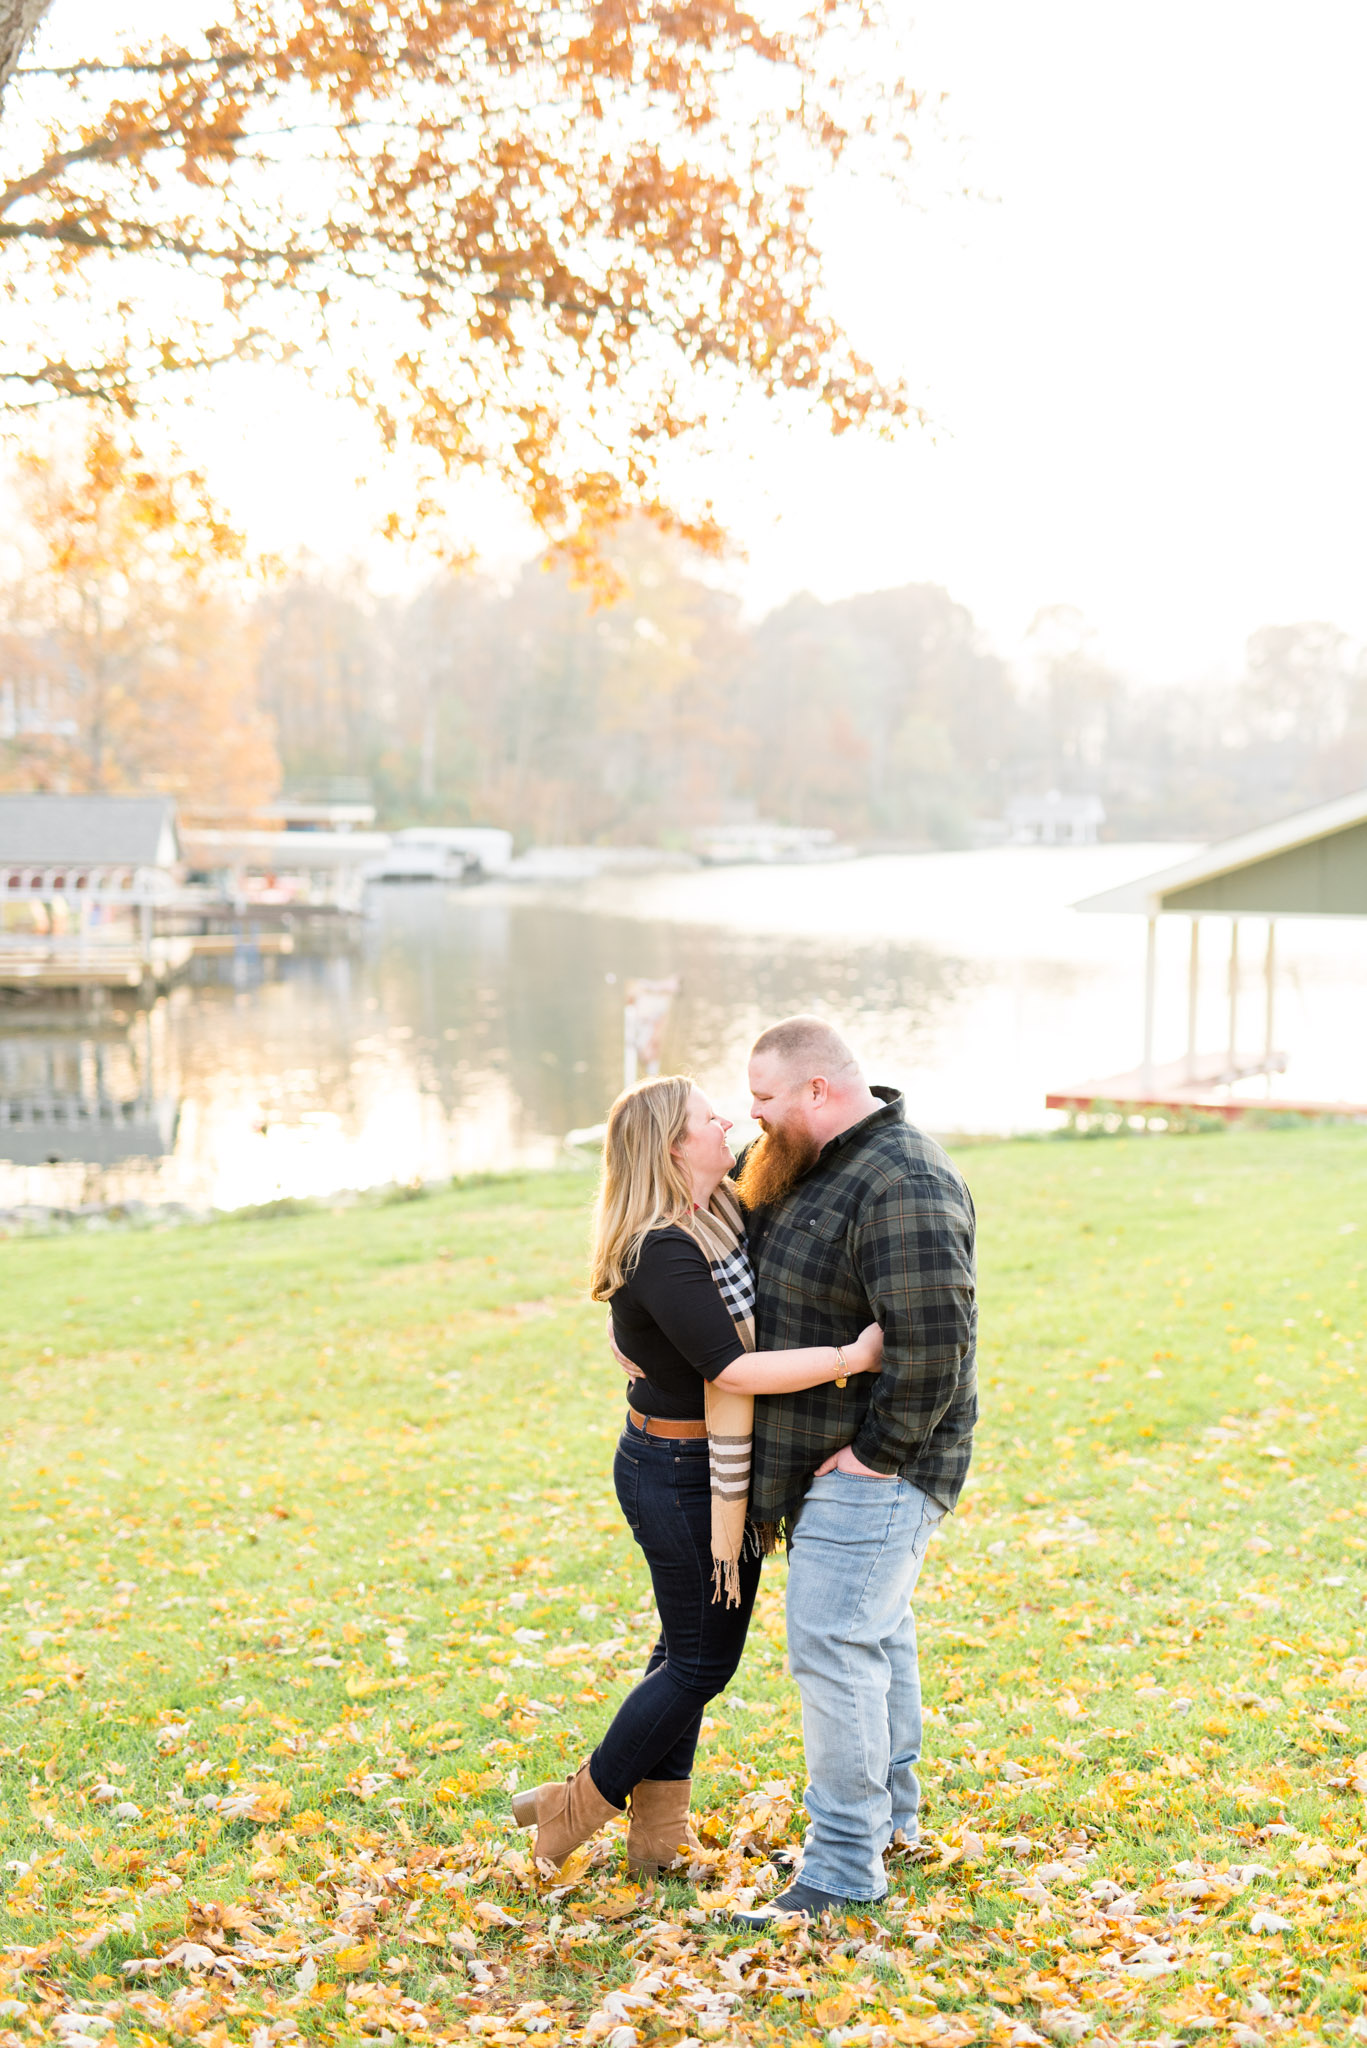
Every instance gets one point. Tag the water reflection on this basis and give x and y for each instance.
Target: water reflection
(464, 1031)
(94, 1099)
(532, 994)
(467, 1030)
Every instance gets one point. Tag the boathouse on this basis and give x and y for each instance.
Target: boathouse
(80, 880)
(1310, 865)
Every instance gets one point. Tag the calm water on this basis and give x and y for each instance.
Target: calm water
(470, 1029)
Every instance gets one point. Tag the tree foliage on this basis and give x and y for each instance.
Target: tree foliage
(886, 717)
(550, 240)
(666, 710)
(126, 660)
(132, 652)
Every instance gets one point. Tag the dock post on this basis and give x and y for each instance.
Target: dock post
(631, 1058)
(1270, 991)
(1193, 993)
(1233, 996)
(1150, 991)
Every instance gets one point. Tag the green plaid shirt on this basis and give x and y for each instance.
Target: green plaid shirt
(881, 1227)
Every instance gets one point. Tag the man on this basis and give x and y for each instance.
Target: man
(855, 1214)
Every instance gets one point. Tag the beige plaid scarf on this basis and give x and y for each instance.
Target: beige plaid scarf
(720, 1231)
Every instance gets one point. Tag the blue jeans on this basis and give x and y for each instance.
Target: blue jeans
(665, 1493)
(856, 1555)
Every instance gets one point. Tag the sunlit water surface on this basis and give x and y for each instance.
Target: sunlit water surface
(471, 1029)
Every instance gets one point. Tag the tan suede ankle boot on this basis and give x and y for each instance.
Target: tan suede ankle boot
(564, 1814)
(659, 1833)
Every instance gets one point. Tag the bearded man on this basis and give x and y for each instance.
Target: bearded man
(853, 1214)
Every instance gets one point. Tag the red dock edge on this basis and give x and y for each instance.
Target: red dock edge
(1135, 1105)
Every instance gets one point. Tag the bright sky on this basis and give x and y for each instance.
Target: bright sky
(1146, 355)
(1142, 348)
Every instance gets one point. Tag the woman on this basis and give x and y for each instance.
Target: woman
(669, 1253)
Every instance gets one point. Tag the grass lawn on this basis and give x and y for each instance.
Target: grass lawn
(309, 1552)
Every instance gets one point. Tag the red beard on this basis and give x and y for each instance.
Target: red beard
(774, 1165)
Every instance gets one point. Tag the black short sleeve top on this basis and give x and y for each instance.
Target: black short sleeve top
(670, 1320)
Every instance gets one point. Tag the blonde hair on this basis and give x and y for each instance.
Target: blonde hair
(643, 1184)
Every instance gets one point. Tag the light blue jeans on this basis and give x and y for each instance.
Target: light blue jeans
(855, 1559)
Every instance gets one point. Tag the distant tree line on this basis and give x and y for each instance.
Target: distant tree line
(139, 650)
(885, 716)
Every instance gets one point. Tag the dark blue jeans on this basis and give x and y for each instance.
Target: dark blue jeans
(662, 1485)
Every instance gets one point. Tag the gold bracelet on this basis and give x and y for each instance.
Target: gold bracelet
(843, 1375)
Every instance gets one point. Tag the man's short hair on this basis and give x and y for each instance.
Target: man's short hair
(807, 1046)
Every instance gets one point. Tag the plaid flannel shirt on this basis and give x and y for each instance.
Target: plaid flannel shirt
(880, 1228)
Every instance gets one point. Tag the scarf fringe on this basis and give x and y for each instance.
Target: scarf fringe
(726, 1580)
(759, 1540)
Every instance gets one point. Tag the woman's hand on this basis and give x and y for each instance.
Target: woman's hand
(866, 1352)
(632, 1371)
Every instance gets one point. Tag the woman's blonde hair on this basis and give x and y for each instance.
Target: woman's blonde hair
(643, 1184)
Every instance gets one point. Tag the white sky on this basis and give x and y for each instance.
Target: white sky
(1143, 349)
(1146, 354)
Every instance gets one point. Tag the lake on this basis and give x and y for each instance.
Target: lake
(470, 1029)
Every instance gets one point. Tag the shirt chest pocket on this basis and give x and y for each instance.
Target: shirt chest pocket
(817, 1242)
(810, 1278)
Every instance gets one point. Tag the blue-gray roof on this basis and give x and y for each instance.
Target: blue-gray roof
(1311, 865)
(88, 831)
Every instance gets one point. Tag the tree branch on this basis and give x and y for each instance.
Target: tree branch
(136, 67)
(558, 202)
(18, 21)
(115, 382)
(144, 239)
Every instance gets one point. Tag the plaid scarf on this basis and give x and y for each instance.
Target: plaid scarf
(720, 1231)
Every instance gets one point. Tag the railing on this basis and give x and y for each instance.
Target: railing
(72, 882)
(72, 1112)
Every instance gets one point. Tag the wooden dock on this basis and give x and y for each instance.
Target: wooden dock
(1199, 1085)
(24, 971)
(222, 945)
(56, 967)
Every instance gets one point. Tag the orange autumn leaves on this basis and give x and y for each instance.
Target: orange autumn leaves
(1184, 1857)
(132, 663)
(1045, 1934)
(545, 240)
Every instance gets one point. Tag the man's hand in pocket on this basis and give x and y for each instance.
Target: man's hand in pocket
(845, 1461)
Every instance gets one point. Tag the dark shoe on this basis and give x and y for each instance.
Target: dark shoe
(801, 1900)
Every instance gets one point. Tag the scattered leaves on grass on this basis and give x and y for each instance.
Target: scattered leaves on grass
(255, 1766)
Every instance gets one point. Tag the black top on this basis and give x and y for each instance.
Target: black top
(671, 1321)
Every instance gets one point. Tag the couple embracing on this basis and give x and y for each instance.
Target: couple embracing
(799, 1328)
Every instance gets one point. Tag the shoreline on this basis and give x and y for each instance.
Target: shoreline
(30, 1220)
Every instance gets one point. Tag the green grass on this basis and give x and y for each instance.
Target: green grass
(313, 1515)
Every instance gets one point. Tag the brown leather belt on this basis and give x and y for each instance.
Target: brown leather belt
(659, 1425)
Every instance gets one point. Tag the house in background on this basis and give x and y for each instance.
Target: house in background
(1054, 820)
